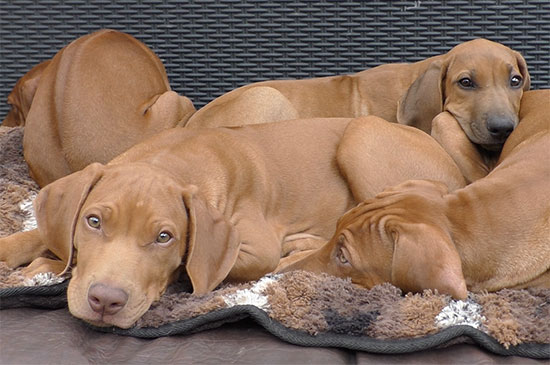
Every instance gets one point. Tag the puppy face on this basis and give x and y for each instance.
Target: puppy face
(131, 226)
(357, 250)
(130, 239)
(399, 237)
(483, 86)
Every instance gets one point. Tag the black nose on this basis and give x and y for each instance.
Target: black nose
(106, 300)
(500, 128)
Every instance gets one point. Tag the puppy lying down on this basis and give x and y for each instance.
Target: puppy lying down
(216, 205)
(492, 234)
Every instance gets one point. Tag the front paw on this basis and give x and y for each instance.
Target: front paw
(43, 265)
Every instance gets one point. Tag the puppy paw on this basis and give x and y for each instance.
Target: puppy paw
(43, 265)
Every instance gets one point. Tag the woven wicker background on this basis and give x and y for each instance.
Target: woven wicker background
(212, 46)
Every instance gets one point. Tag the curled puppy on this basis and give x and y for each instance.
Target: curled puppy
(492, 234)
(97, 97)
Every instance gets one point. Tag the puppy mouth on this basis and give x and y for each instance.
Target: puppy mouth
(495, 147)
(486, 141)
(116, 320)
(99, 322)
(125, 318)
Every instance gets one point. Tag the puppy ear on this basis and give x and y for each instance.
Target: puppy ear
(213, 244)
(58, 205)
(424, 257)
(522, 65)
(424, 98)
(22, 96)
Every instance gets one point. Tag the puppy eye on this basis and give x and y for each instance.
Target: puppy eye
(164, 237)
(516, 81)
(340, 254)
(466, 83)
(341, 257)
(93, 221)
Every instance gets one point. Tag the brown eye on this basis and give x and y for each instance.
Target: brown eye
(93, 221)
(466, 83)
(164, 237)
(516, 81)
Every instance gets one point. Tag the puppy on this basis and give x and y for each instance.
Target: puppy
(97, 97)
(479, 83)
(215, 204)
(492, 234)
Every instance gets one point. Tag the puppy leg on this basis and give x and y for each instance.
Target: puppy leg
(260, 250)
(259, 104)
(297, 249)
(375, 154)
(43, 265)
(21, 248)
(292, 245)
(447, 131)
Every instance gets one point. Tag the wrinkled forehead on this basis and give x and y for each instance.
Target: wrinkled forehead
(363, 214)
(410, 206)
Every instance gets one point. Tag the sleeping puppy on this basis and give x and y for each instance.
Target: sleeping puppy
(492, 234)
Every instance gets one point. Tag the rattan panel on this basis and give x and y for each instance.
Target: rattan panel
(212, 46)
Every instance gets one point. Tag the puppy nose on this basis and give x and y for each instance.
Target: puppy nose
(500, 128)
(105, 299)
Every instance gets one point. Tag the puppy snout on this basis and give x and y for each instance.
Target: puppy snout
(106, 300)
(500, 128)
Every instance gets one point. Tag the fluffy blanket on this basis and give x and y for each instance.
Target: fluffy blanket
(298, 307)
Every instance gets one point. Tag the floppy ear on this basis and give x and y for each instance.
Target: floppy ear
(58, 205)
(424, 98)
(28, 89)
(522, 65)
(213, 244)
(22, 96)
(424, 257)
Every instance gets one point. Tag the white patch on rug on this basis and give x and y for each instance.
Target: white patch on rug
(26, 206)
(43, 279)
(460, 312)
(253, 296)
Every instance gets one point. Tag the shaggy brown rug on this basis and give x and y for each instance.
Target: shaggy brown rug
(298, 307)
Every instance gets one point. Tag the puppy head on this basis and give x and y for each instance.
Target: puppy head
(21, 97)
(135, 227)
(483, 90)
(399, 237)
(479, 82)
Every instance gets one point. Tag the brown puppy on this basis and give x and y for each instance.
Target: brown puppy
(20, 98)
(490, 235)
(182, 201)
(100, 95)
(480, 83)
